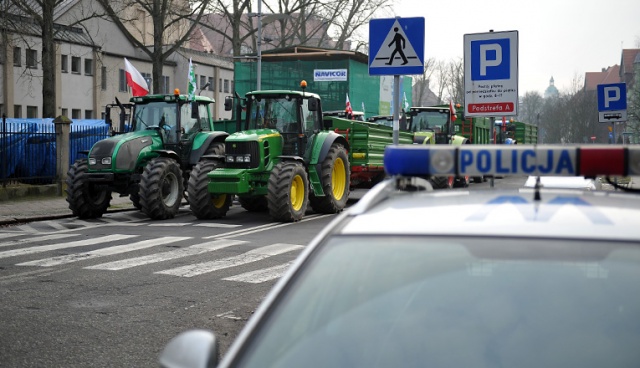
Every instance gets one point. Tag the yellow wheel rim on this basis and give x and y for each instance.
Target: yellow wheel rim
(338, 179)
(297, 192)
(219, 200)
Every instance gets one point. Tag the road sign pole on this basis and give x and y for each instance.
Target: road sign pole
(396, 109)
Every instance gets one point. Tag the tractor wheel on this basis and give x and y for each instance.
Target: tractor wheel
(288, 192)
(86, 200)
(254, 203)
(335, 182)
(161, 188)
(462, 182)
(135, 199)
(203, 204)
(442, 182)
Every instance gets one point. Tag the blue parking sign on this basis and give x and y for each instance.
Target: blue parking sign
(612, 96)
(490, 59)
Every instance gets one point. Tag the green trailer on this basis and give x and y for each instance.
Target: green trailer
(522, 133)
(367, 141)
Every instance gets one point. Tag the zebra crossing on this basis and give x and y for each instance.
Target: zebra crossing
(160, 250)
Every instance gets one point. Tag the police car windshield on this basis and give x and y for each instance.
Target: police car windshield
(416, 302)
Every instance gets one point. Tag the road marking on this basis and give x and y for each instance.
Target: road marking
(269, 226)
(258, 276)
(55, 224)
(248, 257)
(217, 225)
(70, 258)
(79, 243)
(36, 239)
(166, 256)
(171, 224)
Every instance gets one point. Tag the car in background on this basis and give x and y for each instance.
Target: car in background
(564, 182)
(412, 277)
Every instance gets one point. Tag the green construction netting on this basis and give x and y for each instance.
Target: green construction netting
(374, 92)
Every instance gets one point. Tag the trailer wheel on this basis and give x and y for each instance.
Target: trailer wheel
(161, 188)
(254, 203)
(335, 179)
(288, 192)
(85, 199)
(203, 204)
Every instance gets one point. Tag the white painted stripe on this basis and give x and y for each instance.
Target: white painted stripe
(217, 225)
(166, 256)
(248, 257)
(130, 217)
(70, 258)
(270, 226)
(54, 224)
(258, 276)
(5, 235)
(168, 224)
(36, 239)
(28, 229)
(79, 243)
(83, 223)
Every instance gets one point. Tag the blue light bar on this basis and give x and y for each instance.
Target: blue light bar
(476, 160)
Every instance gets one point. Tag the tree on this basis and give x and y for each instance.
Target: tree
(172, 23)
(531, 108)
(422, 93)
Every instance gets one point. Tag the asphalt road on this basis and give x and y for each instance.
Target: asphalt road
(113, 291)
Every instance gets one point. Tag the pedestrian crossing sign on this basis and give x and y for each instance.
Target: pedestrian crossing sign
(396, 46)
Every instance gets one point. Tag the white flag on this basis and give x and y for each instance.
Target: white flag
(135, 80)
(191, 89)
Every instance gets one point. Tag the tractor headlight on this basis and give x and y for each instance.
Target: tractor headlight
(106, 161)
(92, 161)
(247, 158)
(230, 158)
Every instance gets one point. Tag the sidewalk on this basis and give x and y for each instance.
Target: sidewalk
(41, 203)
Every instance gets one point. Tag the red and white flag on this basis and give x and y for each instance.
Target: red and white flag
(348, 110)
(139, 86)
(453, 111)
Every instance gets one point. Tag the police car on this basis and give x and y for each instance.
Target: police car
(410, 277)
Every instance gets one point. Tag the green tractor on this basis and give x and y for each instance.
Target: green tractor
(281, 160)
(166, 137)
(433, 125)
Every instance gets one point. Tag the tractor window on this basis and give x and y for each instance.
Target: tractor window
(433, 121)
(274, 113)
(309, 118)
(154, 114)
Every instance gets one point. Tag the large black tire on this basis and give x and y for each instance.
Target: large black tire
(288, 192)
(335, 179)
(135, 199)
(203, 204)
(442, 182)
(86, 200)
(161, 188)
(254, 203)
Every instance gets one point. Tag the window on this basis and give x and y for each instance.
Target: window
(165, 84)
(88, 67)
(65, 112)
(32, 59)
(88, 114)
(226, 86)
(103, 78)
(17, 56)
(75, 65)
(203, 81)
(32, 112)
(64, 63)
(212, 84)
(147, 78)
(122, 81)
(17, 111)
(232, 87)
(75, 113)
(220, 84)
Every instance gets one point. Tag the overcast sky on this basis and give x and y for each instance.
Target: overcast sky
(559, 38)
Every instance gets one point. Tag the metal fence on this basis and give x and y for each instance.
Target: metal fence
(28, 148)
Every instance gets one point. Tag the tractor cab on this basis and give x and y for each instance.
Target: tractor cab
(294, 115)
(432, 123)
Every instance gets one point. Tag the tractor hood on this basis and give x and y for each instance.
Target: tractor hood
(120, 152)
(253, 135)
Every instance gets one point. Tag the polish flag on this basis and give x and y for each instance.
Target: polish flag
(135, 80)
(348, 110)
(453, 111)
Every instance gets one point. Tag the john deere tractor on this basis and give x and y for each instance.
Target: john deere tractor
(433, 125)
(162, 138)
(281, 160)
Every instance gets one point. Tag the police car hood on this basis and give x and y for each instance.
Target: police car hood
(558, 214)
